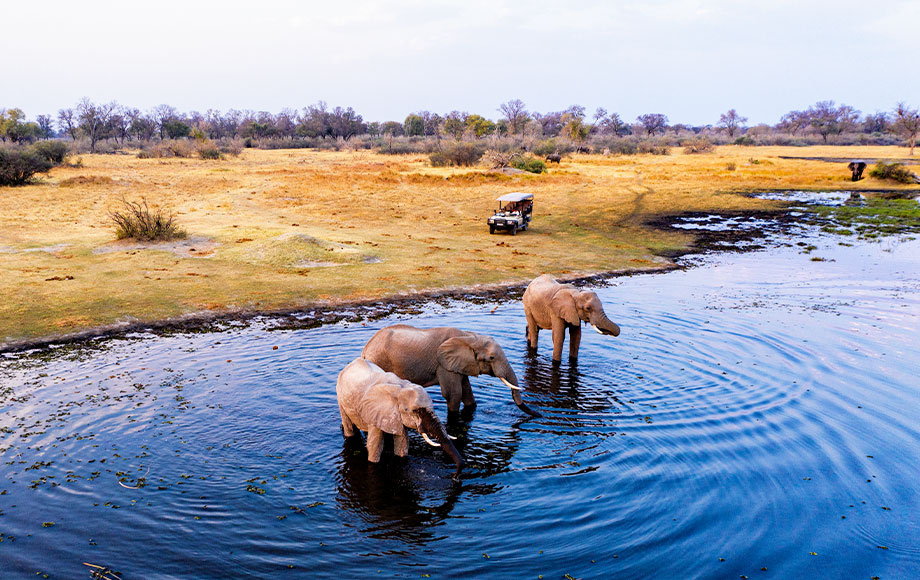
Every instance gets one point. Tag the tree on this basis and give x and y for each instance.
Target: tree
(828, 119)
(876, 123)
(162, 114)
(175, 129)
(906, 124)
(345, 123)
(455, 124)
(575, 127)
(94, 120)
(68, 121)
(731, 121)
(515, 112)
(46, 124)
(793, 122)
(414, 125)
(479, 126)
(142, 126)
(653, 122)
(120, 124)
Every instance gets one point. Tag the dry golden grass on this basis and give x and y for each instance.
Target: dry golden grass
(283, 229)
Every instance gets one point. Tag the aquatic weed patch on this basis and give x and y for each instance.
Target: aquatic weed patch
(869, 220)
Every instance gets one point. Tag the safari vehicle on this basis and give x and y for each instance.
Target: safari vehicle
(513, 213)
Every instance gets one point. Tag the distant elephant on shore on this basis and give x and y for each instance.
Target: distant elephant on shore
(857, 168)
(443, 356)
(551, 305)
(379, 402)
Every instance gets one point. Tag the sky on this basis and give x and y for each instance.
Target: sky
(688, 59)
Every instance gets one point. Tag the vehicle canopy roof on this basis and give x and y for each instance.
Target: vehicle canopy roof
(516, 196)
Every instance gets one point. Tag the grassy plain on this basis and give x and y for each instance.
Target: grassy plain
(289, 228)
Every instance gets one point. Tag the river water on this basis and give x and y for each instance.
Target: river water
(757, 417)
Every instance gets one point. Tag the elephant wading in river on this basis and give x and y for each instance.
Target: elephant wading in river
(443, 356)
(379, 402)
(549, 304)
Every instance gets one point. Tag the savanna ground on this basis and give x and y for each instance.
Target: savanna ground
(285, 229)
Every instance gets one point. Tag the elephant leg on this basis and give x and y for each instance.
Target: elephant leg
(558, 338)
(532, 332)
(401, 444)
(451, 388)
(467, 391)
(374, 444)
(348, 427)
(574, 341)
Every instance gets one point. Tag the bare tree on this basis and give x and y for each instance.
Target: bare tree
(94, 120)
(653, 122)
(515, 112)
(68, 122)
(828, 119)
(906, 124)
(793, 122)
(731, 121)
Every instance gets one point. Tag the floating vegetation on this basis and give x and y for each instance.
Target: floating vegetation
(869, 220)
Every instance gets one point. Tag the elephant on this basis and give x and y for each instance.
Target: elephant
(549, 304)
(379, 402)
(443, 356)
(857, 168)
(554, 157)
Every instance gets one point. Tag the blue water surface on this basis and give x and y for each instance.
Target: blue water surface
(758, 416)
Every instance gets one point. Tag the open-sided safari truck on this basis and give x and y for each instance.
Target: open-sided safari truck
(513, 213)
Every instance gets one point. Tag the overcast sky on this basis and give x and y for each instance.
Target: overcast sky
(688, 59)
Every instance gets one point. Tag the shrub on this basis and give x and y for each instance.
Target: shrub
(137, 221)
(893, 171)
(209, 151)
(654, 148)
(461, 154)
(745, 140)
(178, 148)
(496, 159)
(550, 146)
(17, 166)
(698, 145)
(53, 151)
(528, 163)
(731, 166)
(233, 148)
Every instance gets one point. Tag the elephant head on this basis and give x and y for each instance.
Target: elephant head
(392, 406)
(473, 354)
(577, 306)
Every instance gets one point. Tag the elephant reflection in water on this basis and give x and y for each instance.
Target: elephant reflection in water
(564, 388)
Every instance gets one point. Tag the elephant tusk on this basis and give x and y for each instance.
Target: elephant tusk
(452, 437)
(596, 329)
(429, 441)
(510, 385)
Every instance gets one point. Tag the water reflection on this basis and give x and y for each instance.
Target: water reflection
(398, 498)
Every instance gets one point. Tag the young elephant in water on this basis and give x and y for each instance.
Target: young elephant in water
(549, 304)
(379, 402)
(443, 356)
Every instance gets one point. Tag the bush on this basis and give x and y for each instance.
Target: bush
(744, 140)
(893, 171)
(528, 163)
(654, 148)
(461, 154)
(550, 146)
(698, 145)
(17, 166)
(137, 221)
(178, 148)
(53, 151)
(209, 151)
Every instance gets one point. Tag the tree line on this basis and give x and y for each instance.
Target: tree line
(97, 122)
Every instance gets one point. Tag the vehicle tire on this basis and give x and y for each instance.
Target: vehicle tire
(514, 230)
(491, 229)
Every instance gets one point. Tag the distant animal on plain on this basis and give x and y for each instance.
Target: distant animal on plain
(554, 157)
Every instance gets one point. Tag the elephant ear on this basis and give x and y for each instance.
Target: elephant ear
(457, 355)
(563, 305)
(380, 407)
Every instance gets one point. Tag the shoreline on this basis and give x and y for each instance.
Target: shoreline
(331, 311)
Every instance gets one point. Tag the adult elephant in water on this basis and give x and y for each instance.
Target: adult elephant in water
(551, 305)
(379, 402)
(443, 356)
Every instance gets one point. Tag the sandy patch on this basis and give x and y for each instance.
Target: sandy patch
(191, 247)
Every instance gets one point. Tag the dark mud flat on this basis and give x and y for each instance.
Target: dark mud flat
(758, 416)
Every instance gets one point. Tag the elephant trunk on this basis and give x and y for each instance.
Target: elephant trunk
(507, 376)
(431, 426)
(604, 325)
